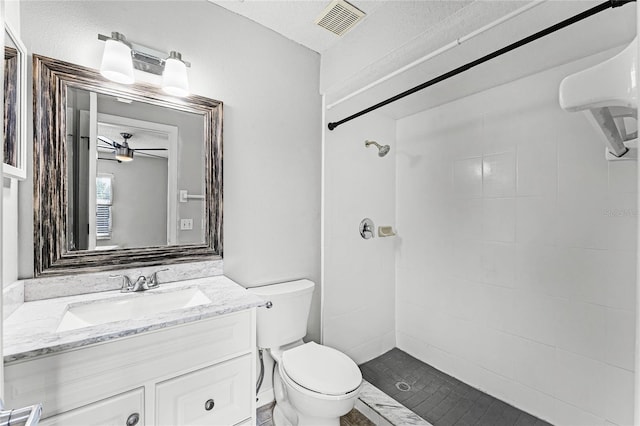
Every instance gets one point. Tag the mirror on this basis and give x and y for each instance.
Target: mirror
(107, 192)
(15, 77)
(124, 175)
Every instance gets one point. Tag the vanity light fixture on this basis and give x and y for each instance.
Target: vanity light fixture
(174, 77)
(121, 56)
(117, 64)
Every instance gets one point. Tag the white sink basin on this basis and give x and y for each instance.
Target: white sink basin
(137, 306)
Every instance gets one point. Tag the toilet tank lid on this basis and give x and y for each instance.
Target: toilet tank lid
(321, 369)
(288, 287)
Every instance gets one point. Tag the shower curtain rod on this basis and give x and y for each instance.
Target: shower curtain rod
(560, 25)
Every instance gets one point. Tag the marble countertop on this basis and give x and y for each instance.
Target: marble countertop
(30, 331)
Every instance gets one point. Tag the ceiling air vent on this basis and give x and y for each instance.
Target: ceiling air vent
(339, 17)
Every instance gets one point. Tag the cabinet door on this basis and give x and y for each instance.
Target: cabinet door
(119, 410)
(216, 395)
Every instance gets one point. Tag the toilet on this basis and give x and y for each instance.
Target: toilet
(313, 384)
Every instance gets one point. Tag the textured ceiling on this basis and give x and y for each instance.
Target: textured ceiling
(392, 34)
(388, 22)
(382, 44)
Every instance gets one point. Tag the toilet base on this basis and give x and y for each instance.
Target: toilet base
(317, 421)
(279, 419)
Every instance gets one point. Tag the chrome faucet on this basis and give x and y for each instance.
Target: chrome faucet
(142, 283)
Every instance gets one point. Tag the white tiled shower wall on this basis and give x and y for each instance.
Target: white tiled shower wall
(359, 280)
(515, 266)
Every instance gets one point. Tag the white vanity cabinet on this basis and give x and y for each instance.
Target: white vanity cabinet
(214, 395)
(125, 409)
(199, 373)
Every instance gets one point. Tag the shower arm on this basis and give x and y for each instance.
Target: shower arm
(367, 143)
(560, 25)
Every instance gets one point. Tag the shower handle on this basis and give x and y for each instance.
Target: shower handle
(366, 228)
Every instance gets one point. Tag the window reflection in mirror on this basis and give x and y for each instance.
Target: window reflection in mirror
(104, 201)
(127, 163)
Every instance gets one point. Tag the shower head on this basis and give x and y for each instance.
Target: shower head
(382, 150)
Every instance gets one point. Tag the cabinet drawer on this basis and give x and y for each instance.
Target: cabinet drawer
(112, 411)
(184, 400)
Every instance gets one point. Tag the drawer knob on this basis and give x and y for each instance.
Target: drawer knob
(133, 419)
(209, 404)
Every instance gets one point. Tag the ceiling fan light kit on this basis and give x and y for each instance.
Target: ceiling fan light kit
(123, 152)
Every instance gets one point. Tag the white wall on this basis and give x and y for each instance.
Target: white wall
(359, 283)
(10, 230)
(269, 86)
(516, 266)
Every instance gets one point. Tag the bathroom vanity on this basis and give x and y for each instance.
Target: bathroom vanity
(186, 366)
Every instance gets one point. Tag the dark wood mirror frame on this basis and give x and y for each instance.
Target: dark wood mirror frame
(11, 115)
(51, 78)
(15, 111)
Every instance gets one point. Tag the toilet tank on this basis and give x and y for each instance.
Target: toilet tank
(286, 320)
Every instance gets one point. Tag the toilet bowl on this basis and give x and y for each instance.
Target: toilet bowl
(313, 384)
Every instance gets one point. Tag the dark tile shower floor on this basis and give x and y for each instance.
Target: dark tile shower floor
(437, 397)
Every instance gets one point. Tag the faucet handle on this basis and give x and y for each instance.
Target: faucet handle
(152, 280)
(127, 285)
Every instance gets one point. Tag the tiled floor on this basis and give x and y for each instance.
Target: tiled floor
(437, 397)
(352, 418)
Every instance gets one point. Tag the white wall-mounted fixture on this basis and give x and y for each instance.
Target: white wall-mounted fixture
(121, 56)
(386, 231)
(608, 95)
(185, 196)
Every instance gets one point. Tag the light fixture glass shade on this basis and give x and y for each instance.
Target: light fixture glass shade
(117, 64)
(174, 77)
(124, 153)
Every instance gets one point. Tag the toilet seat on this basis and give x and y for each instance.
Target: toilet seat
(321, 369)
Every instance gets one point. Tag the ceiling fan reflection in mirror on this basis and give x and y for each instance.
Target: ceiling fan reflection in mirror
(123, 152)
